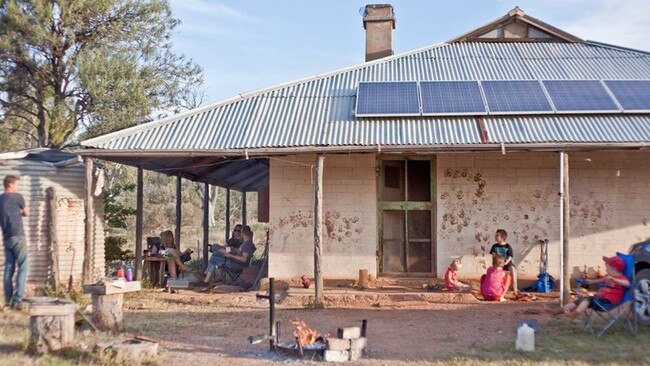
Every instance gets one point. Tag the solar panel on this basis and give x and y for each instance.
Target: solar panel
(451, 97)
(522, 96)
(579, 96)
(388, 99)
(631, 94)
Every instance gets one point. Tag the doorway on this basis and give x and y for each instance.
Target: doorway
(406, 216)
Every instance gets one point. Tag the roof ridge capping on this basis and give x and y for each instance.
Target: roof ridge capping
(517, 15)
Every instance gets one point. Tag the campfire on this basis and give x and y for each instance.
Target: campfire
(347, 345)
(306, 336)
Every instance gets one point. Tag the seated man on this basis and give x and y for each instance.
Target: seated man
(236, 259)
(495, 283)
(608, 296)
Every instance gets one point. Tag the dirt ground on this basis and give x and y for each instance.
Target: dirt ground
(205, 331)
(202, 329)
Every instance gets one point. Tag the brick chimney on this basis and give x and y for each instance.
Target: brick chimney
(379, 22)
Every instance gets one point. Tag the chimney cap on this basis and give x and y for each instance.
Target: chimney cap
(378, 13)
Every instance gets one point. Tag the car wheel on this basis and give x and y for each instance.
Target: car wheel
(642, 301)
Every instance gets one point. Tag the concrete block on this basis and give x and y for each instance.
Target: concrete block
(355, 354)
(336, 356)
(358, 343)
(349, 333)
(338, 344)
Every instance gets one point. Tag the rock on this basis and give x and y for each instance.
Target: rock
(336, 356)
(338, 344)
(349, 333)
(358, 343)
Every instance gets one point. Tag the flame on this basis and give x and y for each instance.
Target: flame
(304, 334)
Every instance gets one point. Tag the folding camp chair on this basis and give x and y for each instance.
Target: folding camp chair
(622, 314)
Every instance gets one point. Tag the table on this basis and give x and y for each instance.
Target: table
(155, 267)
(107, 299)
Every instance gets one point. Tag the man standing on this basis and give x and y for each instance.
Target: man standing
(12, 211)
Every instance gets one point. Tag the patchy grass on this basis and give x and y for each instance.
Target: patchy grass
(197, 329)
(562, 342)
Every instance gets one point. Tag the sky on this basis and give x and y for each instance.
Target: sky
(245, 45)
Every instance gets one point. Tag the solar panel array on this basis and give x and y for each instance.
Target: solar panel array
(451, 97)
(388, 98)
(498, 97)
(516, 96)
(580, 96)
(631, 94)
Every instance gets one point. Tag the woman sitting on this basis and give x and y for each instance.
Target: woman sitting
(495, 283)
(174, 263)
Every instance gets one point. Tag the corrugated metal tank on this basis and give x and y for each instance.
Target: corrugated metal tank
(68, 184)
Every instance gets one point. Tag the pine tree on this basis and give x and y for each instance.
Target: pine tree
(87, 66)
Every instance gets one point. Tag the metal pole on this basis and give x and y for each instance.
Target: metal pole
(139, 225)
(179, 202)
(318, 232)
(206, 224)
(243, 208)
(227, 215)
(272, 332)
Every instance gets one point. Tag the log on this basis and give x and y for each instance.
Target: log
(107, 311)
(179, 211)
(227, 215)
(244, 214)
(318, 232)
(139, 225)
(206, 225)
(51, 326)
(88, 262)
(566, 229)
(363, 278)
(54, 247)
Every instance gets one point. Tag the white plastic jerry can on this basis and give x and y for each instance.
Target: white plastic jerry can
(525, 338)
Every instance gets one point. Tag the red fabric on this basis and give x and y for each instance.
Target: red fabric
(495, 283)
(613, 292)
(451, 279)
(615, 262)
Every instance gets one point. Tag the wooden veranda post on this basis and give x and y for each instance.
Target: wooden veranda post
(54, 245)
(318, 232)
(89, 221)
(179, 203)
(206, 224)
(243, 208)
(139, 224)
(566, 229)
(227, 215)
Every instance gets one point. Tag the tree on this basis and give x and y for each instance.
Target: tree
(116, 215)
(91, 66)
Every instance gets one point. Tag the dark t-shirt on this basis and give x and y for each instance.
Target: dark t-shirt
(234, 242)
(11, 215)
(503, 250)
(247, 247)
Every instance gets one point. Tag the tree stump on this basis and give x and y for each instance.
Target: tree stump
(107, 311)
(51, 326)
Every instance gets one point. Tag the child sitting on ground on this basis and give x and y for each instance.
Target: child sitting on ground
(451, 277)
(495, 283)
(607, 296)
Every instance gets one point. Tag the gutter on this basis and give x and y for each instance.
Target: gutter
(385, 149)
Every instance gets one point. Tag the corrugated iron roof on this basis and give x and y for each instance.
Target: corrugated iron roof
(319, 111)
